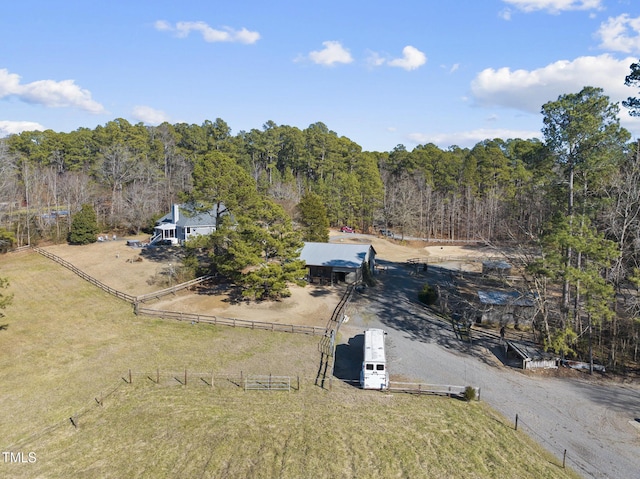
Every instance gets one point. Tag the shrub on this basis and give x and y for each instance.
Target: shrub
(7, 240)
(428, 295)
(469, 393)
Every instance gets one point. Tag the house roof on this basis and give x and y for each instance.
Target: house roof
(504, 298)
(189, 217)
(335, 255)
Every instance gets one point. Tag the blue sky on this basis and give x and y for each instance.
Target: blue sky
(381, 73)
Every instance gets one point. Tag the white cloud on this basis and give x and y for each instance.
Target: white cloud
(451, 69)
(528, 90)
(620, 34)
(162, 26)
(15, 127)
(332, 53)
(505, 14)
(553, 6)
(412, 58)
(468, 139)
(374, 59)
(210, 35)
(148, 115)
(49, 93)
(9, 83)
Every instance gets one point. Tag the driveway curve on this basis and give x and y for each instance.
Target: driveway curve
(597, 422)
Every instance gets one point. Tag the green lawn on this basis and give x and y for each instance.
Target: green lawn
(68, 343)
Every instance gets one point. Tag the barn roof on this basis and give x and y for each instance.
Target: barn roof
(335, 255)
(504, 298)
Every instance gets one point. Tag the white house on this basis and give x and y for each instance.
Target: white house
(184, 222)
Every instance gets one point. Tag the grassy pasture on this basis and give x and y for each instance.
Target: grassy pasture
(67, 342)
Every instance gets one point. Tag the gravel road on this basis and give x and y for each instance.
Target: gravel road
(596, 421)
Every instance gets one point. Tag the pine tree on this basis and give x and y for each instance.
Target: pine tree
(84, 226)
(254, 245)
(313, 217)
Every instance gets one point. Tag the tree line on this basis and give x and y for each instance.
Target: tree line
(572, 198)
(132, 172)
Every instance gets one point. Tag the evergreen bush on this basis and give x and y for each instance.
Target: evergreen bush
(84, 226)
(428, 295)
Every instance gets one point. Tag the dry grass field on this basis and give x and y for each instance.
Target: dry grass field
(67, 343)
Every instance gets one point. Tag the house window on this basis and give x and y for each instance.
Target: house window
(188, 230)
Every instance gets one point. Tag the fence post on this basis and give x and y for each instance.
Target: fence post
(564, 458)
(211, 379)
(298, 382)
(185, 376)
(516, 422)
(130, 379)
(157, 375)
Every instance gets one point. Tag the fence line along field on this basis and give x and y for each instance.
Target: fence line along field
(130, 271)
(67, 343)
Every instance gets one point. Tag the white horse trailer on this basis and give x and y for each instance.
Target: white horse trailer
(374, 373)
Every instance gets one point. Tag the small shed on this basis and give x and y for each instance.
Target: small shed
(527, 356)
(331, 263)
(504, 307)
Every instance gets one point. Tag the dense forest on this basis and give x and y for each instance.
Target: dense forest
(571, 201)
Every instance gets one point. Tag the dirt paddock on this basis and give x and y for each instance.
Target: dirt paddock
(132, 271)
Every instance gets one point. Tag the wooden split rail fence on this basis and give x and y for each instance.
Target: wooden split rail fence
(164, 292)
(242, 323)
(179, 316)
(127, 297)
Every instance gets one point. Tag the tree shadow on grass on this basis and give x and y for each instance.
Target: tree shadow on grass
(4, 327)
(162, 254)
